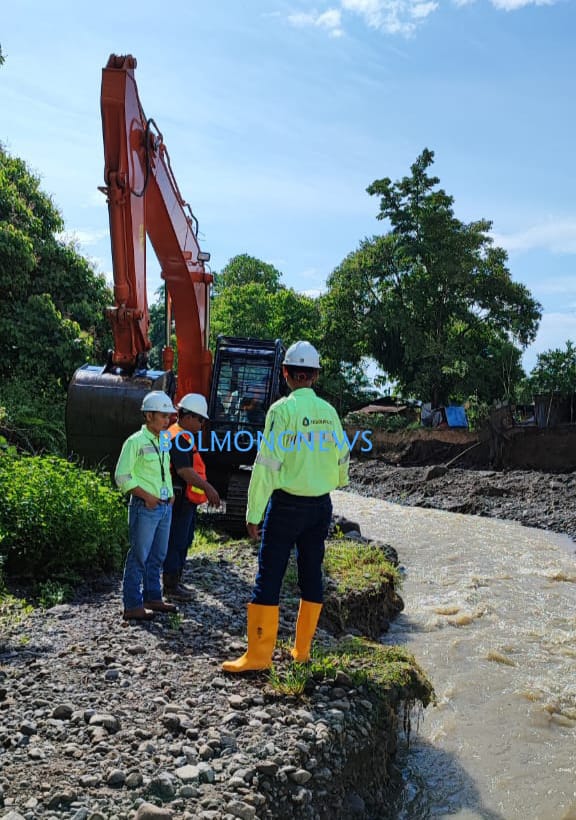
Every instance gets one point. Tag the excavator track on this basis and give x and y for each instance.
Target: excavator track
(236, 502)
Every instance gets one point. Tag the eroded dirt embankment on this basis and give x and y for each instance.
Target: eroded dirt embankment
(535, 499)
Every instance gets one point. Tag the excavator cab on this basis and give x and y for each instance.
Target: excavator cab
(246, 380)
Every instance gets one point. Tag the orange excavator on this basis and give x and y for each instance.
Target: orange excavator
(144, 200)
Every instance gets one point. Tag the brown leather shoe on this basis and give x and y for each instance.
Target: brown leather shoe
(160, 606)
(140, 613)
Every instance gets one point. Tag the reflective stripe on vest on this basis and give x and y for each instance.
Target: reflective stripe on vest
(193, 494)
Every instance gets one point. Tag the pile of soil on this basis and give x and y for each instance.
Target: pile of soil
(535, 499)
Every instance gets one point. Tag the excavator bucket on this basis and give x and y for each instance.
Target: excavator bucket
(103, 409)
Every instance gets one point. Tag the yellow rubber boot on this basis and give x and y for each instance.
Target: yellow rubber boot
(262, 632)
(306, 624)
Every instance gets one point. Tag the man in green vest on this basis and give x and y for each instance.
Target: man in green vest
(302, 457)
(143, 471)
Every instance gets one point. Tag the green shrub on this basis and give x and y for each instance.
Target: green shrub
(52, 593)
(32, 416)
(58, 519)
(477, 412)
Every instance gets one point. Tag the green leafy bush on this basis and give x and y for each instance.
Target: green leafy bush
(52, 593)
(32, 416)
(477, 412)
(57, 519)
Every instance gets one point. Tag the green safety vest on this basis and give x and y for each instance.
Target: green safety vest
(303, 451)
(139, 464)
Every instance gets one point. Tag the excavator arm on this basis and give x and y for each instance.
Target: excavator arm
(144, 200)
(103, 405)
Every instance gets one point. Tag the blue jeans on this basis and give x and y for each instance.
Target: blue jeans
(181, 536)
(148, 531)
(292, 520)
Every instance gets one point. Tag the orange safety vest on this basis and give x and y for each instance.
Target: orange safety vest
(193, 494)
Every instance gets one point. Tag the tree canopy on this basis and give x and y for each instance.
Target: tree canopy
(432, 300)
(247, 270)
(52, 308)
(52, 311)
(555, 372)
(250, 300)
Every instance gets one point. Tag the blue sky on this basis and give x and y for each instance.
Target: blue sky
(278, 115)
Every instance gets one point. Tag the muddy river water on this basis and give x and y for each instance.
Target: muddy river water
(490, 614)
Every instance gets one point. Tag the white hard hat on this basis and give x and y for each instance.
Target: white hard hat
(194, 403)
(303, 354)
(157, 402)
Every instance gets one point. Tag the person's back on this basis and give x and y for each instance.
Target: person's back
(303, 451)
(303, 455)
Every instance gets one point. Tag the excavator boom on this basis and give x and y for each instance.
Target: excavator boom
(103, 405)
(144, 200)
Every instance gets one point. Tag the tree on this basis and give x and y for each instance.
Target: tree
(250, 300)
(244, 270)
(555, 372)
(431, 298)
(52, 310)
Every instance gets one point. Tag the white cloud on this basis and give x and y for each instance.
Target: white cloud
(555, 235)
(391, 16)
(513, 5)
(82, 237)
(388, 16)
(508, 5)
(421, 10)
(330, 20)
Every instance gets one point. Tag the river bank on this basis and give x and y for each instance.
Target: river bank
(99, 719)
(535, 499)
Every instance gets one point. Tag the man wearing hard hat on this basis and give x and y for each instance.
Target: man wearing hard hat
(303, 455)
(143, 471)
(190, 488)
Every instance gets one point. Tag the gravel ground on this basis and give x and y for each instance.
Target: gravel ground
(99, 719)
(543, 500)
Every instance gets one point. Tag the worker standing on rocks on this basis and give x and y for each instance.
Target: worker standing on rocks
(190, 488)
(303, 455)
(143, 470)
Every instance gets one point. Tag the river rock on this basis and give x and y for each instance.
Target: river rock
(178, 731)
(148, 811)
